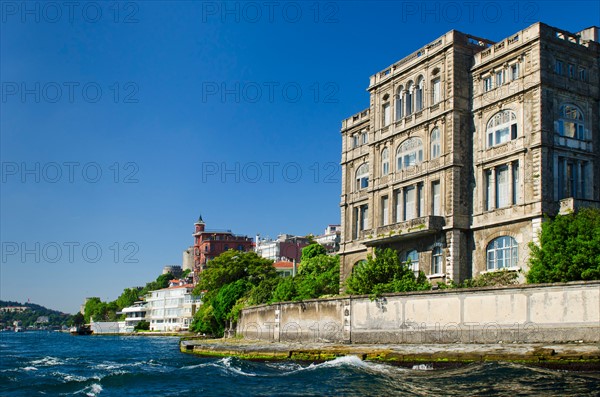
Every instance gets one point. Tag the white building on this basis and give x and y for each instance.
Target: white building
(171, 309)
(134, 314)
(331, 238)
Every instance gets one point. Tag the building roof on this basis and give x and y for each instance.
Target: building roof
(283, 265)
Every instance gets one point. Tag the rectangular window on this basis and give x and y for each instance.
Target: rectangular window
(571, 71)
(384, 210)
(387, 115)
(582, 74)
(513, 131)
(409, 203)
(436, 199)
(558, 67)
(514, 72)
(398, 205)
(399, 107)
(515, 182)
(408, 101)
(436, 94)
(502, 198)
(355, 141)
(365, 137)
(488, 191)
(364, 217)
(499, 78)
(420, 200)
(487, 83)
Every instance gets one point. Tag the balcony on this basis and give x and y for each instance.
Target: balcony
(402, 230)
(571, 204)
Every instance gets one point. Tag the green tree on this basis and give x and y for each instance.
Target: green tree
(317, 276)
(76, 319)
(127, 298)
(312, 250)
(232, 279)
(568, 250)
(385, 273)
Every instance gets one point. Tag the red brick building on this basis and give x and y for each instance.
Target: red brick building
(208, 244)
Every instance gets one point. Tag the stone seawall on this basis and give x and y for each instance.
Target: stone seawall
(555, 313)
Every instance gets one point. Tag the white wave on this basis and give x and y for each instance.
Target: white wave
(48, 361)
(93, 390)
(202, 365)
(423, 367)
(30, 369)
(352, 361)
(69, 377)
(225, 363)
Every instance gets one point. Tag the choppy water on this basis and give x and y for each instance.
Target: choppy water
(38, 363)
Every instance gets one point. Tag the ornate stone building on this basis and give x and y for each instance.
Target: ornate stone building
(466, 144)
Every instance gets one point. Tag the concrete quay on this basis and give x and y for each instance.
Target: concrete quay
(572, 356)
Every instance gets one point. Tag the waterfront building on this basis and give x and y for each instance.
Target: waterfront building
(208, 244)
(134, 314)
(285, 248)
(466, 144)
(172, 309)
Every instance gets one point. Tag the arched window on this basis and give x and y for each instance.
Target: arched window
(571, 122)
(409, 153)
(413, 257)
(408, 97)
(385, 161)
(501, 128)
(399, 103)
(502, 252)
(419, 95)
(436, 260)
(362, 176)
(435, 144)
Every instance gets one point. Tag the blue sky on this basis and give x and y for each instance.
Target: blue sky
(122, 122)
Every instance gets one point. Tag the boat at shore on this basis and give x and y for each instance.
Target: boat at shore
(81, 330)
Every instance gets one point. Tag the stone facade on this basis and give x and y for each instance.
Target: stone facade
(466, 144)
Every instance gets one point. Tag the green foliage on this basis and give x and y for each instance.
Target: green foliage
(100, 311)
(161, 282)
(224, 301)
(312, 250)
(285, 290)
(491, 279)
(385, 273)
(317, 276)
(568, 250)
(233, 279)
(30, 317)
(127, 298)
(142, 326)
(76, 319)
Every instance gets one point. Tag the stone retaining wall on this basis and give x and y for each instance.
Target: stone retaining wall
(554, 313)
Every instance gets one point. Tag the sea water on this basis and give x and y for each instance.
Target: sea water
(58, 364)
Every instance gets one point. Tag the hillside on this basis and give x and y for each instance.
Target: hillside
(30, 316)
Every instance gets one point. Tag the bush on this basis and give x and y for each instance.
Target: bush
(385, 273)
(142, 326)
(568, 250)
